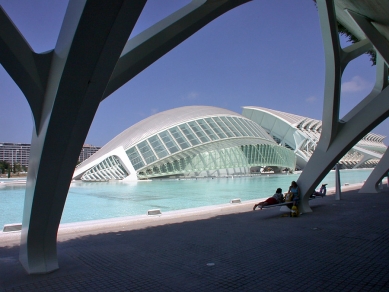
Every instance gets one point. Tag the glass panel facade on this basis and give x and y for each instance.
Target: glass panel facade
(231, 127)
(253, 126)
(158, 147)
(186, 135)
(241, 123)
(211, 134)
(199, 132)
(246, 123)
(223, 126)
(216, 128)
(227, 158)
(169, 142)
(237, 126)
(147, 153)
(135, 158)
(181, 140)
(189, 134)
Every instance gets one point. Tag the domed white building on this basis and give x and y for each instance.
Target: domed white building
(186, 141)
(301, 135)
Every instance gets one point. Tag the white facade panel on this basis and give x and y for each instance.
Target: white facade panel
(302, 134)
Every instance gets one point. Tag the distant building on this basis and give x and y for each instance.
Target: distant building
(18, 153)
(87, 151)
(15, 153)
(301, 134)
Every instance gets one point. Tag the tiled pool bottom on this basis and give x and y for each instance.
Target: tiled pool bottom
(101, 200)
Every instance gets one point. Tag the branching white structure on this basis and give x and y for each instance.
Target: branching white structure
(368, 21)
(92, 58)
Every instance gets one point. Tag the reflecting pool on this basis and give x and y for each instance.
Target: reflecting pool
(99, 200)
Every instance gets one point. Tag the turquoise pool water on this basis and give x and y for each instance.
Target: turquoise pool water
(92, 201)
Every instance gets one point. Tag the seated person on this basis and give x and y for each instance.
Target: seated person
(322, 192)
(295, 191)
(277, 198)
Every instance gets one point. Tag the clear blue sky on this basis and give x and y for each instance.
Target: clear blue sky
(263, 53)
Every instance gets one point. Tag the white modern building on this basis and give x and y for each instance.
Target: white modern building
(301, 135)
(186, 141)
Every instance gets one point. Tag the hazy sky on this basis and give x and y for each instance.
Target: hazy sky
(263, 53)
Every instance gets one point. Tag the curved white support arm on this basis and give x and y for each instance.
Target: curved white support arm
(64, 89)
(378, 173)
(338, 137)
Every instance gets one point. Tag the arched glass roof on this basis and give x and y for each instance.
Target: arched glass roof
(206, 131)
(185, 140)
(159, 122)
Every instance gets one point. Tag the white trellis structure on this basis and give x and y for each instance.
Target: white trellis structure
(302, 134)
(368, 21)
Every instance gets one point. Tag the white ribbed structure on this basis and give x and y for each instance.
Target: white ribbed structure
(301, 134)
(186, 141)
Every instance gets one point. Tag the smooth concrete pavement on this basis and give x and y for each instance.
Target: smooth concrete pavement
(341, 246)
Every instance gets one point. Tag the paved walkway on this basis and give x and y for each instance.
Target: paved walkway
(341, 246)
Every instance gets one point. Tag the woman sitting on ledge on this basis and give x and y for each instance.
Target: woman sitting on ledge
(277, 198)
(322, 192)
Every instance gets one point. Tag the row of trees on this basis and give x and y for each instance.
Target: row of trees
(6, 167)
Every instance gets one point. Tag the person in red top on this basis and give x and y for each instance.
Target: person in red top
(277, 198)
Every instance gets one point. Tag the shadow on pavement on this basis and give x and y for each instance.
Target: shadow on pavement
(341, 246)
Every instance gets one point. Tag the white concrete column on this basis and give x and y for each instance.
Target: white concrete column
(92, 58)
(338, 186)
(340, 135)
(379, 172)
